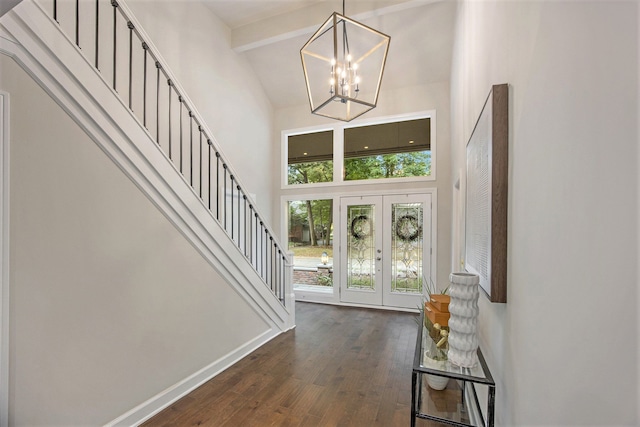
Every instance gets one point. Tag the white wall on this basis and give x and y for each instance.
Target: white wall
(638, 210)
(564, 348)
(221, 83)
(110, 305)
(433, 96)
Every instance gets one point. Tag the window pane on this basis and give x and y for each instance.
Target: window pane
(390, 150)
(311, 241)
(310, 158)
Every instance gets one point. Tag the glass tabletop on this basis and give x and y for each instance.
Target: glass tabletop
(424, 362)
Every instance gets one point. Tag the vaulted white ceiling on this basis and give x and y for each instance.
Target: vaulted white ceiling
(270, 34)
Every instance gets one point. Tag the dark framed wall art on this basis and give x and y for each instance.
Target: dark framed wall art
(486, 196)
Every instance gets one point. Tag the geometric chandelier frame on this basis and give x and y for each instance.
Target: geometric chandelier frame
(343, 64)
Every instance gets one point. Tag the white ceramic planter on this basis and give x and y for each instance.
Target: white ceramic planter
(463, 338)
(434, 381)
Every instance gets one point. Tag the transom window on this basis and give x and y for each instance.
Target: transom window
(310, 158)
(390, 150)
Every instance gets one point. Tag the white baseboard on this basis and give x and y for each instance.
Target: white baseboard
(162, 400)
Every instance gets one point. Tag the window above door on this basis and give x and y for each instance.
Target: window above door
(398, 148)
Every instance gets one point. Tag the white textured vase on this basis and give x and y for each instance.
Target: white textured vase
(463, 337)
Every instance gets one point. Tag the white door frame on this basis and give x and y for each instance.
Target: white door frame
(382, 295)
(331, 193)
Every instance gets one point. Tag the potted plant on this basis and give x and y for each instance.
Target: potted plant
(436, 358)
(436, 317)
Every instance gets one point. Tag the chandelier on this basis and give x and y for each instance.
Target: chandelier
(343, 63)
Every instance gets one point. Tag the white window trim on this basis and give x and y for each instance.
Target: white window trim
(334, 296)
(338, 151)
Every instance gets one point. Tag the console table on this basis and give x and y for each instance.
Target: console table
(459, 403)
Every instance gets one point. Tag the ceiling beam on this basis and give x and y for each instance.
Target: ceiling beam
(307, 20)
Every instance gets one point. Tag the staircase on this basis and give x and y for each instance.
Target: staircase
(135, 110)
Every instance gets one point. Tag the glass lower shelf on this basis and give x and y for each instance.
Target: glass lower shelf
(448, 403)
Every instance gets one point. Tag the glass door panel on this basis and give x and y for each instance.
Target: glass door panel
(361, 250)
(406, 247)
(361, 247)
(407, 243)
(385, 249)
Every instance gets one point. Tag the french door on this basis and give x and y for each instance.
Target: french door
(385, 249)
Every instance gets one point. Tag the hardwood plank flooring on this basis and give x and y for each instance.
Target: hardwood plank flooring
(340, 366)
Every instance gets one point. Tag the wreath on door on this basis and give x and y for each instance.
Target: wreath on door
(360, 227)
(408, 228)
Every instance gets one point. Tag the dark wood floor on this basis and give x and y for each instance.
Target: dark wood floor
(339, 366)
